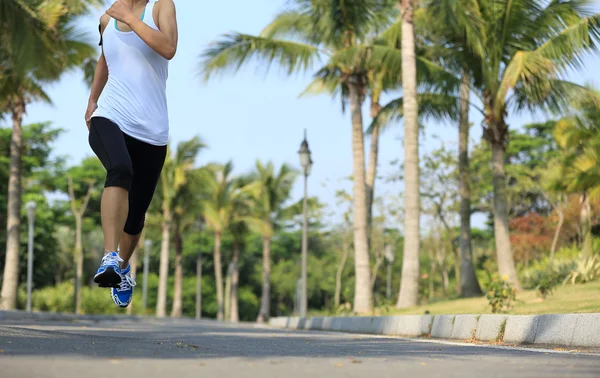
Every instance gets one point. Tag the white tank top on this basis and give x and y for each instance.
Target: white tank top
(135, 94)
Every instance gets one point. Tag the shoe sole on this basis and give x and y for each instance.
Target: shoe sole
(108, 278)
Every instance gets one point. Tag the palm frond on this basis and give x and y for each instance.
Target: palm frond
(431, 106)
(233, 51)
(566, 48)
(292, 25)
(530, 68)
(551, 94)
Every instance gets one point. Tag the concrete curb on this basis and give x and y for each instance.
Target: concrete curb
(572, 330)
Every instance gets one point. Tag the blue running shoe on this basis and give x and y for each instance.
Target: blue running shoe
(123, 294)
(109, 273)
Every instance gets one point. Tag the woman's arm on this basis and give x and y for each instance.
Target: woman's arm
(100, 76)
(100, 79)
(164, 40)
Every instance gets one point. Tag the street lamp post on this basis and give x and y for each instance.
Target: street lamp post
(147, 244)
(306, 162)
(31, 218)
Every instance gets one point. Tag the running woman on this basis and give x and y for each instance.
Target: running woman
(128, 125)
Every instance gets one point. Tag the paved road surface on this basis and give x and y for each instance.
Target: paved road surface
(152, 348)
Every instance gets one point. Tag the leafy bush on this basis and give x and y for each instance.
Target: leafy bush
(545, 282)
(54, 298)
(586, 270)
(60, 298)
(544, 277)
(501, 294)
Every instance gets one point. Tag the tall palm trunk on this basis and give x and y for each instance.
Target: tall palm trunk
(78, 262)
(10, 281)
(469, 286)
(340, 271)
(218, 275)
(177, 310)
(265, 301)
(372, 166)
(199, 285)
(228, 291)
(235, 280)
(409, 285)
(163, 274)
(363, 295)
(506, 262)
(586, 225)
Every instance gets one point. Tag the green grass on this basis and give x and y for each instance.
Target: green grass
(565, 299)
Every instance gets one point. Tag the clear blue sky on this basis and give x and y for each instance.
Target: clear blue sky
(250, 115)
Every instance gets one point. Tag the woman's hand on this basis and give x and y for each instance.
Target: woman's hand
(92, 106)
(121, 11)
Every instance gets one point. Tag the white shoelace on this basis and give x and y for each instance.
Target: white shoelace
(127, 282)
(111, 259)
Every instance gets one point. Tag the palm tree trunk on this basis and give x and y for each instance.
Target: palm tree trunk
(10, 281)
(78, 262)
(340, 271)
(586, 225)
(372, 167)
(469, 286)
(177, 310)
(378, 261)
(265, 301)
(409, 285)
(218, 275)
(199, 286)
(163, 274)
(363, 295)
(228, 291)
(506, 262)
(235, 279)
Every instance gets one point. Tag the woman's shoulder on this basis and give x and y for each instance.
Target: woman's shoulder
(163, 4)
(104, 19)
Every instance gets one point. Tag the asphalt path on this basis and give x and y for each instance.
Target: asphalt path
(186, 348)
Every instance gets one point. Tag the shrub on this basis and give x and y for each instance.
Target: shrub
(544, 277)
(501, 294)
(544, 282)
(586, 270)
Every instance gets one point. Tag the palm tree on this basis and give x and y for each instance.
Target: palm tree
(173, 179)
(521, 52)
(409, 286)
(186, 207)
(450, 47)
(239, 229)
(218, 211)
(306, 32)
(23, 75)
(578, 135)
(269, 192)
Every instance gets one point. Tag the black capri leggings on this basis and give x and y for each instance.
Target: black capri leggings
(130, 164)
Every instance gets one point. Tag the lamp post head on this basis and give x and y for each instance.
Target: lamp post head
(30, 207)
(147, 243)
(305, 156)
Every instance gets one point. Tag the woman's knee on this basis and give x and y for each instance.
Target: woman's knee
(121, 175)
